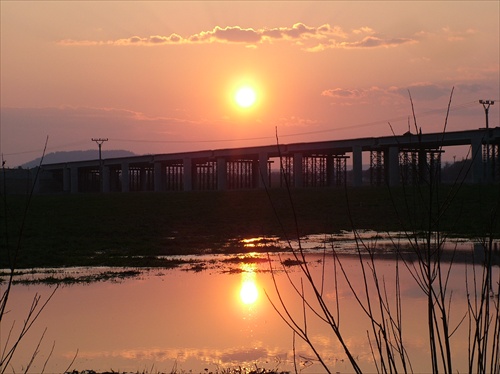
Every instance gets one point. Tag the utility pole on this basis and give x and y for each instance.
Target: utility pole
(99, 142)
(489, 172)
(486, 105)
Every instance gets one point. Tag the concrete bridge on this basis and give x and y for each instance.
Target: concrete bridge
(405, 159)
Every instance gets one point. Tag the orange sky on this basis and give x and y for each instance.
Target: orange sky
(158, 77)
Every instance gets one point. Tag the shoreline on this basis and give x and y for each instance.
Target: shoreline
(115, 229)
(379, 246)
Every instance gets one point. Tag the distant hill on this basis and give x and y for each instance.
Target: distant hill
(92, 154)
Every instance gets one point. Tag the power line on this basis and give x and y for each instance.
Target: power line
(191, 141)
(347, 127)
(368, 124)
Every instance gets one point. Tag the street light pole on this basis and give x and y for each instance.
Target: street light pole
(486, 105)
(99, 142)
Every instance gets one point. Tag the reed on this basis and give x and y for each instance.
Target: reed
(423, 215)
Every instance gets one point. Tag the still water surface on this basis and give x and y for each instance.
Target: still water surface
(218, 318)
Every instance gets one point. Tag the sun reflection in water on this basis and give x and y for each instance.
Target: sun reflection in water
(249, 292)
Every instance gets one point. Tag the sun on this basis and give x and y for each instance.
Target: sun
(245, 97)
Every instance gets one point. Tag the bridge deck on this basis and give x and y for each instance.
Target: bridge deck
(392, 160)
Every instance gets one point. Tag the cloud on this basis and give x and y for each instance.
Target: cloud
(299, 30)
(310, 38)
(427, 95)
(294, 121)
(348, 96)
(456, 36)
(421, 91)
(341, 92)
(374, 42)
(237, 35)
(364, 30)
(447, 34)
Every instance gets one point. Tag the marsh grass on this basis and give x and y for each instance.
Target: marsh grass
(136, 229)
(81, 279)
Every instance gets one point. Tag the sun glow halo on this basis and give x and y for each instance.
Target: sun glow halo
(245, 97)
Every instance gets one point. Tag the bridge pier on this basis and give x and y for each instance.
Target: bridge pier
(286, 174)
(188, 174)
(377, 167)
(331, 175)
(125, 177)
(495, 162)
(357, 166)
(337, 171)
(298, 174)
(263, 176)
(221, 173)
(146, 175)
(174, 176)
(393, 166)
(160, 174)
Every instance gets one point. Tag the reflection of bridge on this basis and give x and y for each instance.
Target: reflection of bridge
(407, 158)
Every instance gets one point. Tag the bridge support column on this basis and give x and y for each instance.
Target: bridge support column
(393, 166)
(74, 179)
(125, 177)
(159, 177)
(188, 174)
(221, 174)
(143, 178)
(263, 175)
(423, 168)
(357, 166)
(106, 174)
(298, 174)
(330, 171)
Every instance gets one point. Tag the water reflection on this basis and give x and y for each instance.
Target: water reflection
(249, 292)
(217, 318)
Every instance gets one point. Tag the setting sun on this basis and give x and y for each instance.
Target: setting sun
(245, 96)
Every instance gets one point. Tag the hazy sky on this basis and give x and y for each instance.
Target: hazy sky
(160, 77)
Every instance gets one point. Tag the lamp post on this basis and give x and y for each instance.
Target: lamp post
(486, 105)
(99, 142)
